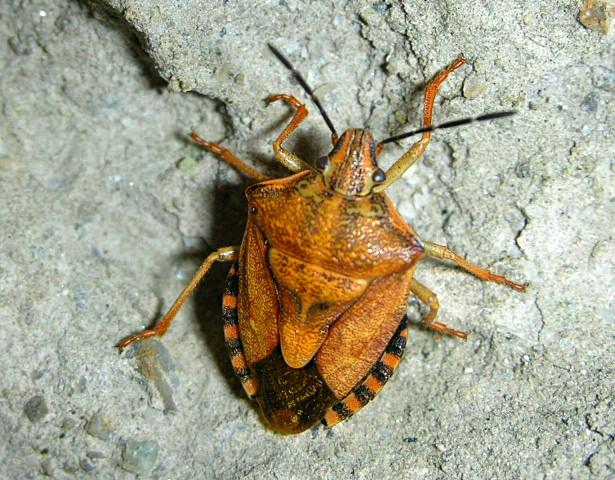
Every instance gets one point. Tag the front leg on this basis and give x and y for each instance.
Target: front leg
(417, 150)
(287, 158)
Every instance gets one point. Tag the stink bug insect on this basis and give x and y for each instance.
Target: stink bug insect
(314, 309)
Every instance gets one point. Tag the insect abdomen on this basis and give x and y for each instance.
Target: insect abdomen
(291, 399)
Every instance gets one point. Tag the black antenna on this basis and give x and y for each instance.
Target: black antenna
(304, 84)
(452, 123)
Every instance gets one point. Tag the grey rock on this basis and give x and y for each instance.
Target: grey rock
(100, 427)
(36, 408)
(140, 456)
(86, 465)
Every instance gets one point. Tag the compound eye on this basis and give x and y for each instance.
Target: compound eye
(322, 163)
(379, 176)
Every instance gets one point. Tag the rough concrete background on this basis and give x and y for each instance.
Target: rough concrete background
(106, 211)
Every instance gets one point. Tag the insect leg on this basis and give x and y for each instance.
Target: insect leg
(226, 254)
(229, 158)
(373, 382)
(287, 158)
(443, 253)
(431, 300)
(416, 151)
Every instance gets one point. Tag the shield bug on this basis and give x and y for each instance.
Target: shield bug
(314, 308)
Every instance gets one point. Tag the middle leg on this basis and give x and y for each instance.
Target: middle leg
(442, 252)
(229, 158)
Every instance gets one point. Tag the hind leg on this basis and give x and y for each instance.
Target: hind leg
(225, 254)
(431, 300)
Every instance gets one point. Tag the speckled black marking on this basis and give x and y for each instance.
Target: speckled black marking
(381, 372)
(364, 394)
(244, 374)
(396, 346)
(231, 289)
(234, 347)
(229, 316)
(342, 410)
(232, 282)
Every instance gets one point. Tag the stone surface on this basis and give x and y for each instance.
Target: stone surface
(106, 210)
(140, 456)
(36, 408)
